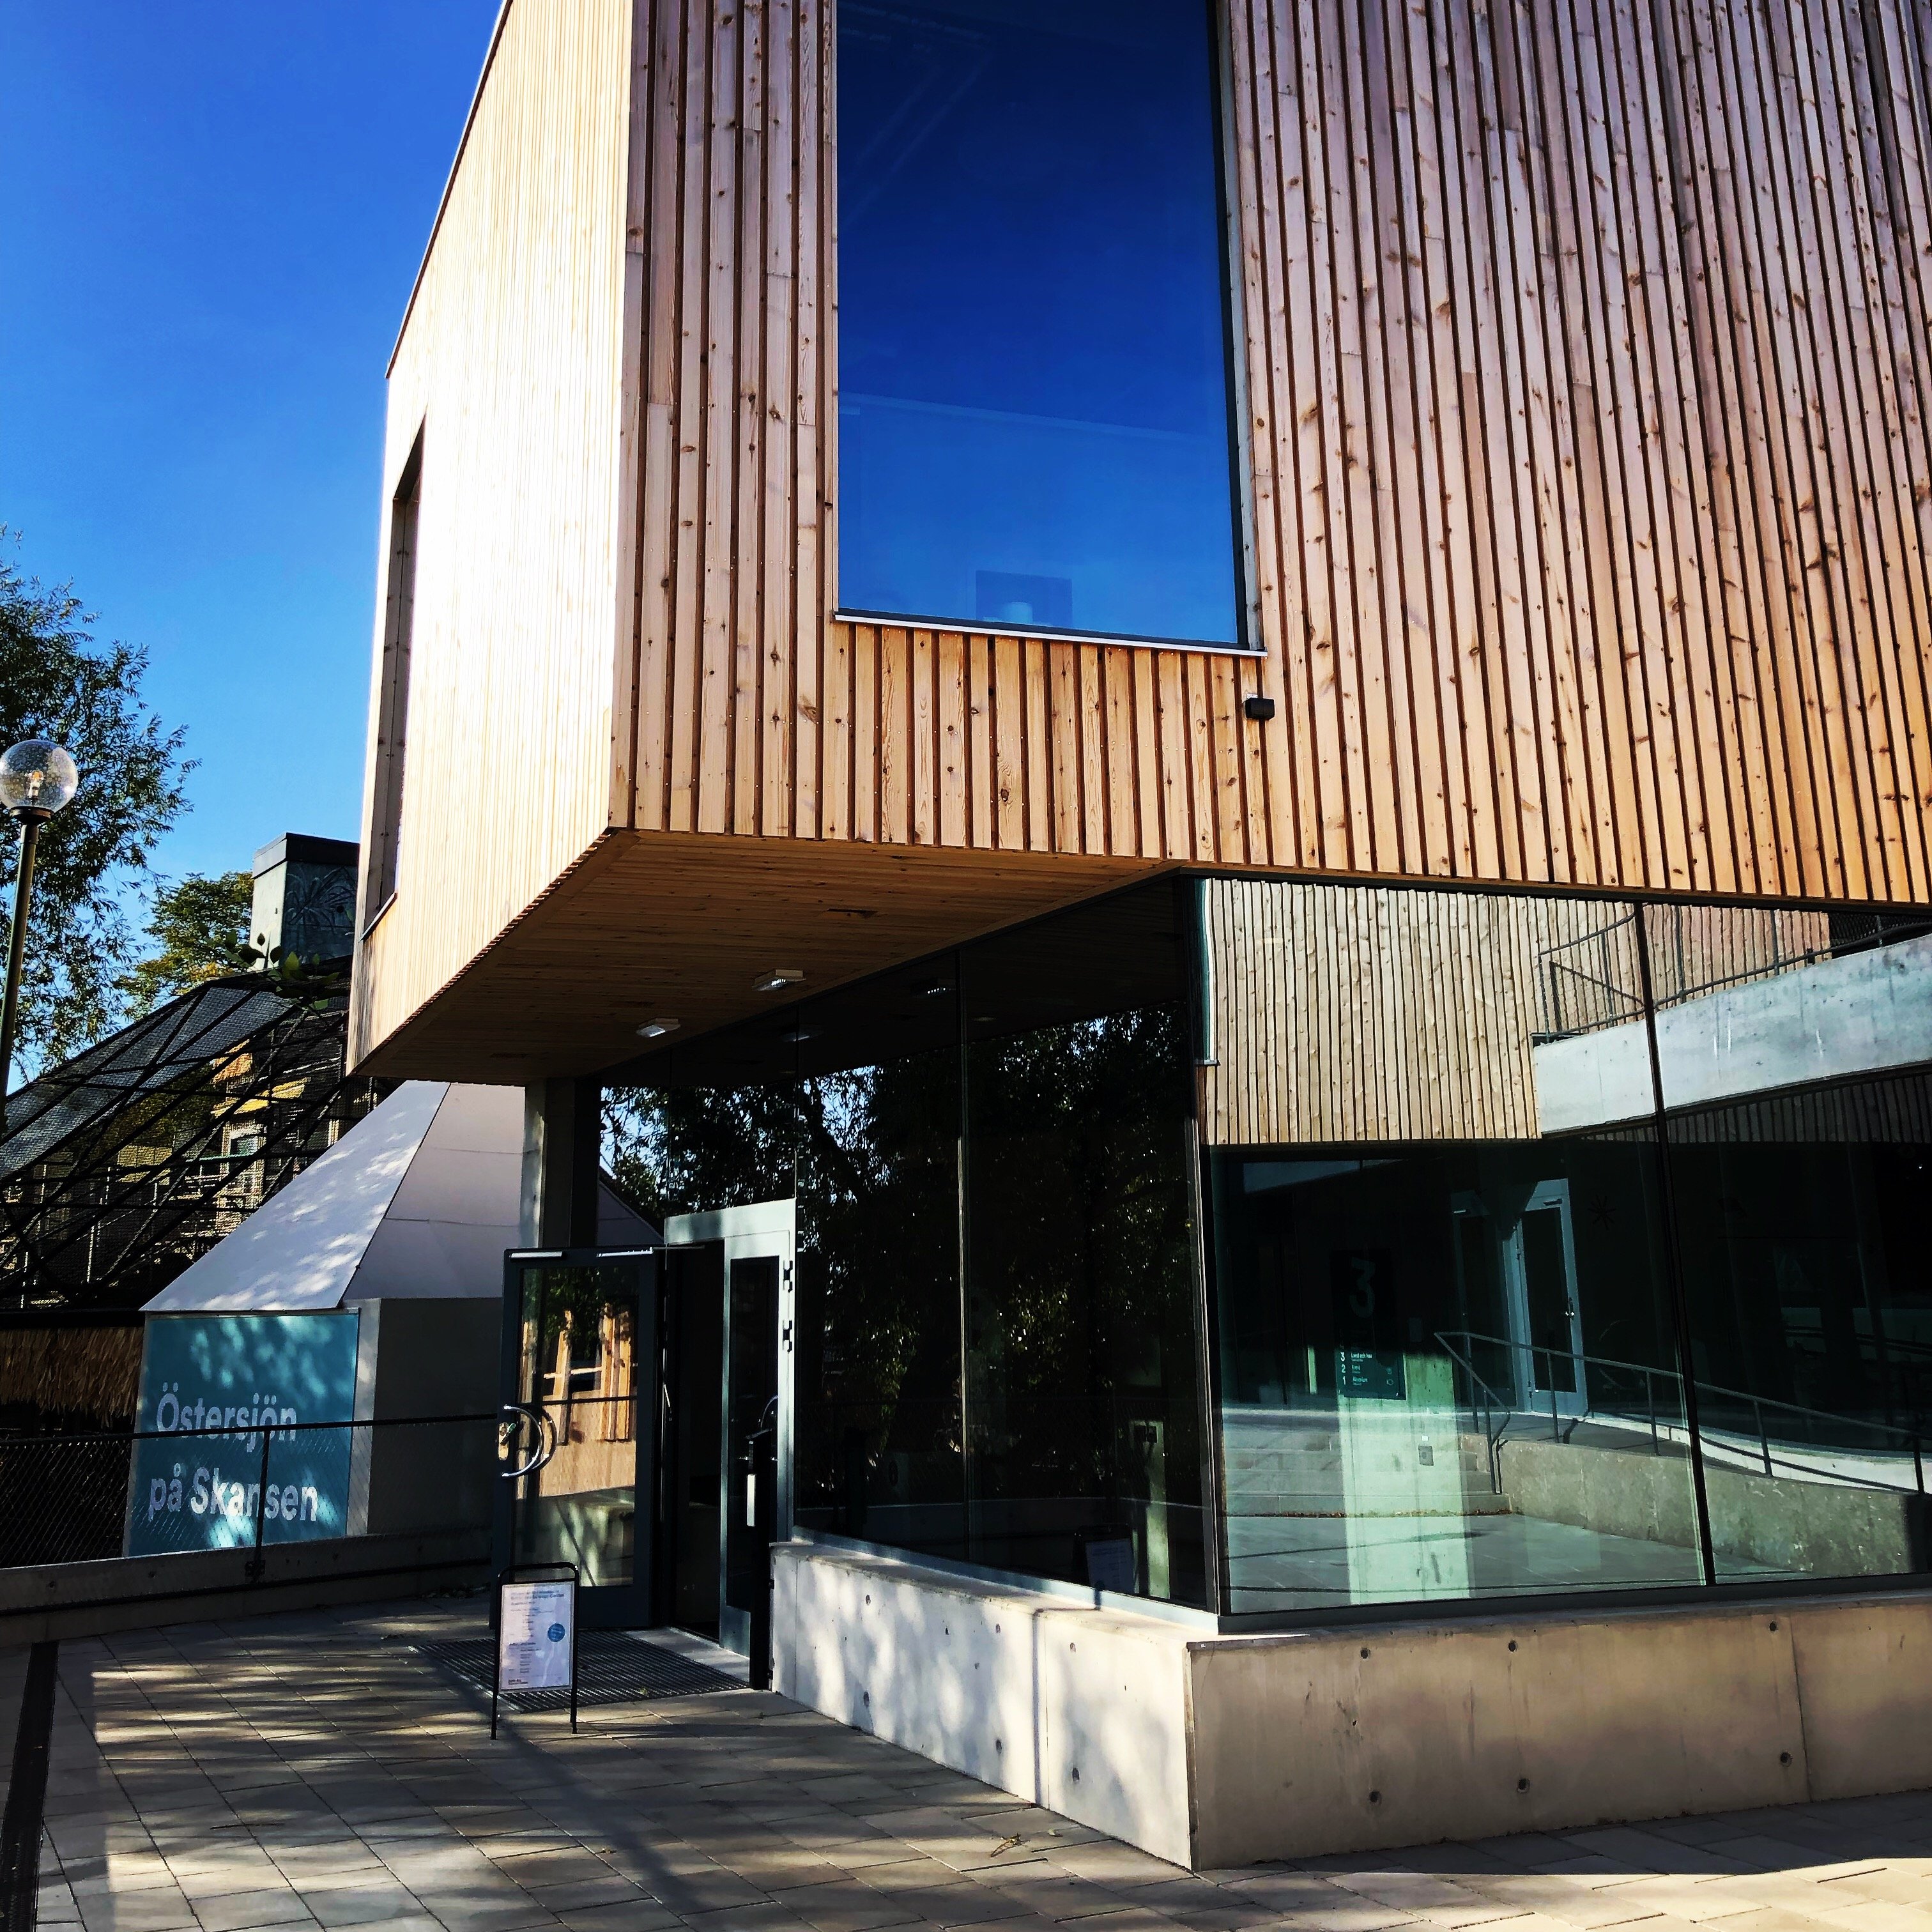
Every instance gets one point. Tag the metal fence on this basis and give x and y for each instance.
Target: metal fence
(77, 1498)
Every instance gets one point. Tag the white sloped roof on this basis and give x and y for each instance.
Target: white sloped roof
(419, 1199)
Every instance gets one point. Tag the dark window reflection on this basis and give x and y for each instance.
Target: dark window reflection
(1085, 1457)
(691, 1150)
(1806, 1230)
(1033, 418)
(1447, 1372)
(877, 1433)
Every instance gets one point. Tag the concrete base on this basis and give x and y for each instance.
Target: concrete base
(119, 1593)
(1217, 1750)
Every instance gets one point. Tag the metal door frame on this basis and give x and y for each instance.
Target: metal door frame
(604, 1605)
(1545, 1196)
(763, 1230)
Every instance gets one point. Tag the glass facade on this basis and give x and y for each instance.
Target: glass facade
(1277, 1249)
(1034, 427)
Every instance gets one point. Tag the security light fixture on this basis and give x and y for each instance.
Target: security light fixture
(657, 1029)
(778, 979)
(1260, 708)
(37, 778)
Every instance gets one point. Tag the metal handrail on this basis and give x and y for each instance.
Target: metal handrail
(1906, 1438)
(1492, 1401)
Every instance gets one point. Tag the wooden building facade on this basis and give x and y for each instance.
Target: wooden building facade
(1584, 352)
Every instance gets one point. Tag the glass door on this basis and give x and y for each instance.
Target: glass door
(1541, 1260)
(729, 1309)
(692, 1318)
(581, 1380)
(750, 1452)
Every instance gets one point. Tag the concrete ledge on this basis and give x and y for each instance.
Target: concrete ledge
(118, 1593)
(1082, 1711)
(1225, 1751)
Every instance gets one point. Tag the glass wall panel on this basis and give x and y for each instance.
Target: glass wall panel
(1083, 1402)
(1034, 416)
(1441, 1276)
(877, 1439)
(1792, 1048)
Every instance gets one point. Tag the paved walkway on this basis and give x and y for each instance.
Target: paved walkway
(293, 1772)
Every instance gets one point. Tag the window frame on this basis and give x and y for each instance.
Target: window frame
(388, 753)
(1249, 643)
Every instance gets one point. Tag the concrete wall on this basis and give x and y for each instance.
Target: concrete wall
(1781, 1524)
(114, 1593)
(1080, 1710)
(1867, 1012)
(1221, 1750)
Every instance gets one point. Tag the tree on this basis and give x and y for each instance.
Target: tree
(56, 682)
(200, 926)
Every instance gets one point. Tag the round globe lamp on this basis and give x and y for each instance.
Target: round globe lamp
(37, 778)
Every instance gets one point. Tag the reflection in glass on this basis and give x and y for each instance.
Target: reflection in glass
(1793, 1047)
(1443, 1294)
(1034, 421)
(1446, 1360)
(1081, 1403)
(877, 1437)
(578, 1362)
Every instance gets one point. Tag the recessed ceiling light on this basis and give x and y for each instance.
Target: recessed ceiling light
(657, 1029)
(778, 979)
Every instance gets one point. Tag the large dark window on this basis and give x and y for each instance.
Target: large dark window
(1535, 1244)
(392, 716)
(1034, 428)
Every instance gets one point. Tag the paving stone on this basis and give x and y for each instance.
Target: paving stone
(358, 1904)
(846, 1905)
(310, 1770)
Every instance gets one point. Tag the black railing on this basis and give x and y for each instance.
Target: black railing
(83, 1496)
(1713, 1398)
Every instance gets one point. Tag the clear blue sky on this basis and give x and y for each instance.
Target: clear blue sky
(210, 216)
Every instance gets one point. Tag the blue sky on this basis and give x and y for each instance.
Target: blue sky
(210, 216)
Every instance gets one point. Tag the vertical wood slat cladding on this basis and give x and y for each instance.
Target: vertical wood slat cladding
(512, 361)
(1361, 1013)
(1588, 348)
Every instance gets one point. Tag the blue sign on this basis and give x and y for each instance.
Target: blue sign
(225, 1392)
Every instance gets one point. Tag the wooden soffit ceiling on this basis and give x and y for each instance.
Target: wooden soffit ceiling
(650, 925)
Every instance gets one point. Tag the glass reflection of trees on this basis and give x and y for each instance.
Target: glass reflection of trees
(1081, 1400)
(1081, 1417)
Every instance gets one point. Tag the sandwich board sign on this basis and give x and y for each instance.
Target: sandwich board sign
(536, 1634)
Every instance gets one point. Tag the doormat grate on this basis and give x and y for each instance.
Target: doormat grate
(611, 1669)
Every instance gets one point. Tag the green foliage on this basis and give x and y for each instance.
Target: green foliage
(56, 682)
(1079, 1309)
(699, 1148)
(200, 926)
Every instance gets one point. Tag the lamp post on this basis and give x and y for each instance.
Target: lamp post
(37, 778)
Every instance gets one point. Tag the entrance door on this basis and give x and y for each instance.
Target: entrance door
(692, 1321)
(731, 1277)
(1540, 1265)
(579, 1335)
